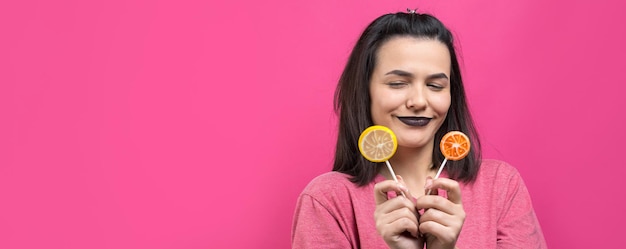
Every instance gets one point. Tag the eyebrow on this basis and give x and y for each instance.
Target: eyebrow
(401, 73)
(437, 76)
(410, 75)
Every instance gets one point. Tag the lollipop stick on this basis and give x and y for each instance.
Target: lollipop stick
(441, 167)
(439, 172)
(393, 174)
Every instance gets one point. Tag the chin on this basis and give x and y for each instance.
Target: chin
(412, 145)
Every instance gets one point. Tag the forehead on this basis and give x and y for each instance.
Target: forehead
(417, 55)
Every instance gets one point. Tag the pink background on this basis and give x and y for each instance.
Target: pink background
(191, 124)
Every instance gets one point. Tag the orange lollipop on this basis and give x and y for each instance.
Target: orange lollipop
(455, 146)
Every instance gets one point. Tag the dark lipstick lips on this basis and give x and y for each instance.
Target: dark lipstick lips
(415, 121)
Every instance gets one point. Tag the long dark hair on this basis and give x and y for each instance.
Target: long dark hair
(352, 98)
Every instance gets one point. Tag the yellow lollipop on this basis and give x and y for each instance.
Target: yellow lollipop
(378, 144)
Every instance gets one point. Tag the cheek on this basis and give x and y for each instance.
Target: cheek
(379, 101)
(378, 110)
(388, 100)
(381, 107)
(442, 104)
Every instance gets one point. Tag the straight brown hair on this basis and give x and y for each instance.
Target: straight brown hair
(352, 100)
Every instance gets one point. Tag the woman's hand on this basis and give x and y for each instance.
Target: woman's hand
(443, 218)
(396, 218)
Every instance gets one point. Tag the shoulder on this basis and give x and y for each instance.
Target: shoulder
(335, 193)
(328, 184)
(335, 189)
(496, 169)
(496, 185)
(328, 211)
(495, 174)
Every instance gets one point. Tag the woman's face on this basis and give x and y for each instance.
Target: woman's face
(410, 89)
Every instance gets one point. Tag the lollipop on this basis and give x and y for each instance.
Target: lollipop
(378, 143)
(454, 146)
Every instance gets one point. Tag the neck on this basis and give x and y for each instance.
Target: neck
(414, 165)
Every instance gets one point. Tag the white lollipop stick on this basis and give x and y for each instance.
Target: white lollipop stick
(439, 172)
(393, 174)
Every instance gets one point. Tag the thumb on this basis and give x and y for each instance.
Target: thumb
(428, 187)
(404, 188)
(400, 180)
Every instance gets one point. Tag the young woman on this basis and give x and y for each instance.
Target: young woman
(403, 73)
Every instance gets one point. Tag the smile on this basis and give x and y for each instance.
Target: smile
(415, 121)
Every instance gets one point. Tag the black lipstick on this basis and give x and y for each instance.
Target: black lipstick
(415, 121)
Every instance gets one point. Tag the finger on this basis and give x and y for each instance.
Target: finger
(394, 204)
(440, 217)
(406, 191)
(381, 189)
(398, 227)
(397, 222)
(428, 190)
(437, 202)
(400, 180)
(450, 186)
(444, 234)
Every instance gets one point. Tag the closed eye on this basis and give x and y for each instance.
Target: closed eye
(435, 86)
(397, 84)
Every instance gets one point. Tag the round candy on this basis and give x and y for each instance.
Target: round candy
(377, 143)
(455, 145)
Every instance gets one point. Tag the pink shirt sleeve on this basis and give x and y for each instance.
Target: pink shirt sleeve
(315, 227)
(518, 226)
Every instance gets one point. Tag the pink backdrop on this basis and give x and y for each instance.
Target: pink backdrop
(190, 124)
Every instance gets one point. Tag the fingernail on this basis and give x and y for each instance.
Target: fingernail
(403, 188)
(429, 182)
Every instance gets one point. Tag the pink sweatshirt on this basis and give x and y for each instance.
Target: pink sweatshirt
(333, 212)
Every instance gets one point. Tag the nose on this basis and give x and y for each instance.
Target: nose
(416, 99)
